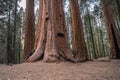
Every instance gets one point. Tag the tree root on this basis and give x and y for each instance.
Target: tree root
(64, 57)
(56, 58)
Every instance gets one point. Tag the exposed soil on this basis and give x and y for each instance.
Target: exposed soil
(90, 70)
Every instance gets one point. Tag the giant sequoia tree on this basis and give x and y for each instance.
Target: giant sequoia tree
(29, 28)
(79, 45)
(113, 34)
(52, 42)
(39, 23)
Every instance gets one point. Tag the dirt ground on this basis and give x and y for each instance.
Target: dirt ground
(90, 70)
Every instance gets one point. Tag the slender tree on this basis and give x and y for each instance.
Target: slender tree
(53, 40)
(79, 45)
(9, 40)
(29, 28)
(113, 34)
(118, 7)
(14, 35)
(91, 34)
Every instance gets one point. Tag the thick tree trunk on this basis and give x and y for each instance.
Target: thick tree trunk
(79, 45)
(113, 34)
(37, 35)
(29, 28)
(53, 40)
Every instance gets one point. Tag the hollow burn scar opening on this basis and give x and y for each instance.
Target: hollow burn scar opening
(60, 34)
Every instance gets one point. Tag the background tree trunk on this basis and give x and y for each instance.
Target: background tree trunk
(14, 35)
(118, 7)
(29, 29)
(79, 45)
(53, 39)
(113, 34)
(9, 40)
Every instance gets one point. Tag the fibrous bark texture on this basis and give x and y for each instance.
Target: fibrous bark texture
(79, 45)
(29, 28)
(53, 41)
(113, 34)
(37, 36)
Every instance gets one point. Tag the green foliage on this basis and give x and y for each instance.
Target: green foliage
(5, 5)
(7, 21)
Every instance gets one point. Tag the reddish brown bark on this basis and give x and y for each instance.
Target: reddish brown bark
(113, 34)
(37, 36)
(29, 28)
(79, 45)
(53, 41)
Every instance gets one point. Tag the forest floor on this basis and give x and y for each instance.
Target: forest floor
(90, 70)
